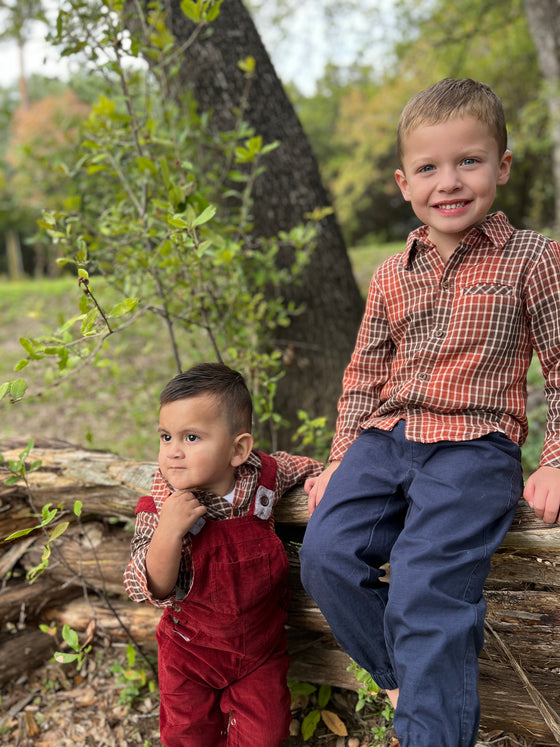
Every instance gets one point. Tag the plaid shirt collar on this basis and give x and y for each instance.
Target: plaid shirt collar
(495, 227)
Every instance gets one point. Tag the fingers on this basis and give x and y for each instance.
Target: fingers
(542, 493)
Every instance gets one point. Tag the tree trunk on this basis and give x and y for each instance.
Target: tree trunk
(544, 23)
(318, 344)
(521, 655)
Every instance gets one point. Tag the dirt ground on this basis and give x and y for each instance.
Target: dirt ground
(56, 706)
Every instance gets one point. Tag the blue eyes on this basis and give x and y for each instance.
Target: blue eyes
(430, 167)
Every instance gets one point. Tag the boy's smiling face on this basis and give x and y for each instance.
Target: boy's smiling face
(450, 174)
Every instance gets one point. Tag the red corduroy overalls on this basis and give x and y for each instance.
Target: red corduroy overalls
(222, 650)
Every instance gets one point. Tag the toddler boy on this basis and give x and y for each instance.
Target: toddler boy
(204, 548)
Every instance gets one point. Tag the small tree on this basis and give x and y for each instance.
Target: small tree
(161, 211)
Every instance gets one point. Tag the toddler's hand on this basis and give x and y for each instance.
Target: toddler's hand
(179, 513)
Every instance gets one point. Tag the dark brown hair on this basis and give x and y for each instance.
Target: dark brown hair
(220, 381)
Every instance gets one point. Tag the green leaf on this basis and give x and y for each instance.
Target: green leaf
(324, 695)
(123, 307)
(191, 10)
(214, 11)
(18, 388)
(146, 164)
(176, 221)
(89, 321)
(78, 508)
(48, 514)
(301, 688)
(62, 658)
(205, 216)
(30, 348)
(59, 529)
(4, 389)
(20, 532)
(70, 637)
(309, 724)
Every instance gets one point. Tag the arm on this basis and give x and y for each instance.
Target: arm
(542, 490)
(163, 557)
(366, 374)
(147, 524)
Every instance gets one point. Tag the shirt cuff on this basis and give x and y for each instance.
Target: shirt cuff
(550, 456)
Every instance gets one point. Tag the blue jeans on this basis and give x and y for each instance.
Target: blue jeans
(437, 512)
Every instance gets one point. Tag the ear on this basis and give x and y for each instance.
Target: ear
(402, 182)
(242, 446)
(504, 168)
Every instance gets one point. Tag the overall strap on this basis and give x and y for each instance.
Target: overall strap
(264, 497)
(146, 503)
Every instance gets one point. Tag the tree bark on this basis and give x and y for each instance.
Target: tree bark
(543, 17)
(318, 344)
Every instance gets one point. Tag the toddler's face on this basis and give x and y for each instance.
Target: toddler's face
(196, 445)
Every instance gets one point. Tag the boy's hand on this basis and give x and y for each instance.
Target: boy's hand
(542, 493)
(316, 486)
(179, 513)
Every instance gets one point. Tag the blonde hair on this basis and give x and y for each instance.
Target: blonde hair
(454, 98)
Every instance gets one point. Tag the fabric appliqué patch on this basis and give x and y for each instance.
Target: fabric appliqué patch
(264, 502)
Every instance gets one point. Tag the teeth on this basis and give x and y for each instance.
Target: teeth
(453, 206)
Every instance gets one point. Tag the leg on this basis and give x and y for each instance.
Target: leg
(259, 705)
(463, 497)
(348, 538)
(190, 714)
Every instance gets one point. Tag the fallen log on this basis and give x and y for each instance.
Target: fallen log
(91, 555)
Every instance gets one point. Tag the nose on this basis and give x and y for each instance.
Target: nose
(449, 179)
(173, 449)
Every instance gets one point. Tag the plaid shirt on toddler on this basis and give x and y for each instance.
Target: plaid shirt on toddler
(291, 470)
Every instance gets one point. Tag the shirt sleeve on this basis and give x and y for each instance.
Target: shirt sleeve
(366, 374)
(294, 470)
(135, 575)
(543, 305)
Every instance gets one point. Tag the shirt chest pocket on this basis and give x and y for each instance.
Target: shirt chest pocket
(500, 290)
(490, 317)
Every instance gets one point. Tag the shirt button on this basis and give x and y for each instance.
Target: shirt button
(445, 285)
(176, 608)
(175, 620)
(422, 376)
(439, 333)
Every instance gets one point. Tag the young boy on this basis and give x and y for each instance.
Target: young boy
(204, 548)
(425, 464)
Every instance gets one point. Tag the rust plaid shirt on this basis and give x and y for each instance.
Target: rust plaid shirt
(446, 346)
(291, 470)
